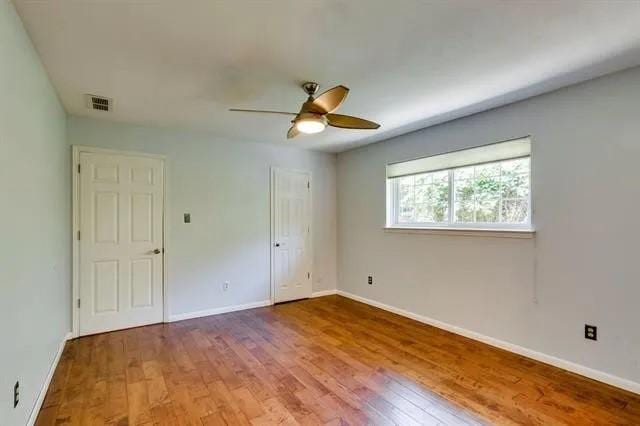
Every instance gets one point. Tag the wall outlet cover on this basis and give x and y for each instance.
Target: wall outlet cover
(590, 332)
(16, 394)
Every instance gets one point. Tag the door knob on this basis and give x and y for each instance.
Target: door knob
(157, 251)
(277, 244)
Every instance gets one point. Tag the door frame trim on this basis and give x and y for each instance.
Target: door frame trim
(75, 218)
(272, 194)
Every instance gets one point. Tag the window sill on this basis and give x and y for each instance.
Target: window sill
(464, 232)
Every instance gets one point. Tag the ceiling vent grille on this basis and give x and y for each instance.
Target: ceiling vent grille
(99, 103)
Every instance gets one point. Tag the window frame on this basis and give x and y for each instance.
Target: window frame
(393, 203)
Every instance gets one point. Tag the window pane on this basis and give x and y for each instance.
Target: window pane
(406, 181)
(520, 165)
(423, 179)
(487, 187)
(437, 200)
(421, 193)
(515, 185)
(464, 173)
(487, 210)
(464, 197)
(492, 193)
(515, 211)
(423, 198)
(464, 210)
(487, 170)
(423, 213)
(464, 190)
(405, 200)
(442, 176)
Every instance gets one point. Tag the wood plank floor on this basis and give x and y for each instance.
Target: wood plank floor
(329, 360)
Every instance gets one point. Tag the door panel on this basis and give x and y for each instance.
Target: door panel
(106, 217)
(142, 283)
(142, 217)
(291, 256)
(121, 204)
(105, 284)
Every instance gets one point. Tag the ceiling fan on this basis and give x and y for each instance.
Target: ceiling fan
(317, 112)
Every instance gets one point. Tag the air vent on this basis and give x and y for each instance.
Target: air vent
(99, 103)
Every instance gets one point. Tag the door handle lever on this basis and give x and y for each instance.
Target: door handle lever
(157, 251)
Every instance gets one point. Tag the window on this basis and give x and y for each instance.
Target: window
(485, 188)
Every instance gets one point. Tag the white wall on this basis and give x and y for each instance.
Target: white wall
(582, 266)
(225, 187)
(35, 228)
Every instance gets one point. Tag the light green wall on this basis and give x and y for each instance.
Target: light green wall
(34, 221)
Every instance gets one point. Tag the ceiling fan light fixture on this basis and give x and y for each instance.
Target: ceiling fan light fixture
(311, 123)
(319, 112)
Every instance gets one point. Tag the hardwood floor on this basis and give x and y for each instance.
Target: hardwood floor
(329, 360)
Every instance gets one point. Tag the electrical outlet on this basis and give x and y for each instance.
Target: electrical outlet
(16, 394)
(225, 286)
(370, 280)
(590, 332)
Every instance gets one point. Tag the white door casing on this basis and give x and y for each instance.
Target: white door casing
(291, 235)
(121, 241)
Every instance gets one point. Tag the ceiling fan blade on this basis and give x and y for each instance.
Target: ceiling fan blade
(293, 132)
(349, 122)
(263, 111)
(330, 100)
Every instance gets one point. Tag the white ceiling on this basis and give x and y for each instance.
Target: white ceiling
(408, 63)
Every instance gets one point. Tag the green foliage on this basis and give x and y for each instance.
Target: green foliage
(424, 198)
(490, 193)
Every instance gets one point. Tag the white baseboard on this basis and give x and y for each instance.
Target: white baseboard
(216, 311)
(324, 293)
(233, 308)
(47, 381)
(591, 373)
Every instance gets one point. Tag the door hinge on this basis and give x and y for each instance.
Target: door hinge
(78, 235)
(78, 167)
(78, 303)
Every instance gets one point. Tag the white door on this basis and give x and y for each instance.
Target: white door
(291, 254)
(121, 241)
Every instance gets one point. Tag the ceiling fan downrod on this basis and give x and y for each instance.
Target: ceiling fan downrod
(310, 88)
